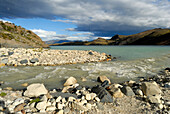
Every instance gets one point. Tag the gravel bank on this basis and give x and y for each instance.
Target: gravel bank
(40, 56)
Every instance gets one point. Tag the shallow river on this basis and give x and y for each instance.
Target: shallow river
(132, 62)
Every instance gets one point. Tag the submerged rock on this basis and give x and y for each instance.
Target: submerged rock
(35, 90)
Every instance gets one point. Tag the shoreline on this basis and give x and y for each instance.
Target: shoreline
(48, 57)
(149, 95)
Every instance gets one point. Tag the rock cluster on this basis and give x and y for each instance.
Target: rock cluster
(40, 56)
(74, 98)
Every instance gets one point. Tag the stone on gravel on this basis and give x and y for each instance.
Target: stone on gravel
(139, 92)
(88, 97)
(150, 88)
(25, 61)
(35, 90)
(102, 79)
(154, 99)
(19, 107)
(50, 108)
(127, 91)
(116, 92)
(34, 60)
(41, 106)
(60, 112)
(70, 81)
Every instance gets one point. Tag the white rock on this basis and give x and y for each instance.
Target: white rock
(58, 99)
(160, 106)
(59, 106)
(139, 92)
(35, 90)
(71, 99)
(88, 106)
(88, 97)
(93, 95)
(50, 108)
(60, 112)
(97, 99)
(41, 106)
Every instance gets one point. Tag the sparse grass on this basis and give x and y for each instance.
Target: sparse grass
(36, 100)
(3, 94)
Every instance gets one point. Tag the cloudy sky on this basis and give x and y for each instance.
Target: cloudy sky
(86, 19)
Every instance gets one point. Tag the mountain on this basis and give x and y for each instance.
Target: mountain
(150, 37)
(17, 36)
(57, 41)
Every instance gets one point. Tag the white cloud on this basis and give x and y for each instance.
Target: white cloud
(5, 21)
(51, 35)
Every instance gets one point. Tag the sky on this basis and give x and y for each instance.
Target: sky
(86, 19)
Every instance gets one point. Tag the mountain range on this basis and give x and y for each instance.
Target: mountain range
(156, 36)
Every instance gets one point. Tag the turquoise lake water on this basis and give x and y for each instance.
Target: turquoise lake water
(132, 62)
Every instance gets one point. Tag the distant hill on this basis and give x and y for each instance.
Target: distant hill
(16, 36)
(57, 41)
(150, 37)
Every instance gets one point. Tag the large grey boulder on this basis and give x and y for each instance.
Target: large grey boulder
(150, 88)
(35, 90)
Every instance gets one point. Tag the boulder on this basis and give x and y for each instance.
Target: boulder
(25, 61)
(150, 88)
(127, 91)
(103, 94)
(34, 60)
(35, 90)
(102, 79)
(70, 81)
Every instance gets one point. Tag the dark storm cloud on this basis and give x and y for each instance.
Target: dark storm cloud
(102, 17)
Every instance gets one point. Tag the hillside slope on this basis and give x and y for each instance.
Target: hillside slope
(16, 36)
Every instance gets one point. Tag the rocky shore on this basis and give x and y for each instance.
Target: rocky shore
(40, 56)
(148, 95)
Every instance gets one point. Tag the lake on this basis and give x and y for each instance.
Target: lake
(132, 62)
